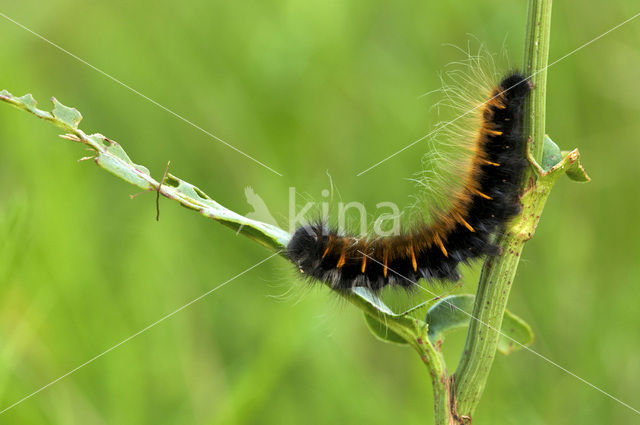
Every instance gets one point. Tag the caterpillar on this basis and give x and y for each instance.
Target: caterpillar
(486, 200)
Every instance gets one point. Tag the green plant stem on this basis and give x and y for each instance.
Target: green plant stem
(536, 60)
(491, 301)
(440, 380)
(498, 272)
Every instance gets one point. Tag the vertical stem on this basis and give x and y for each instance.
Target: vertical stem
(482, 337)
(536, 59)
(498, 272)
(440, 381)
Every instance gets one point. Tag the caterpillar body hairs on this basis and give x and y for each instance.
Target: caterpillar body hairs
(487, 198)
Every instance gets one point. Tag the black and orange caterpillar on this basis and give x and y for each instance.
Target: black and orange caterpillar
(487, 199)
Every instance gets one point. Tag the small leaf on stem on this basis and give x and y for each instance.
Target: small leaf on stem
(68, 116)
(454, 312)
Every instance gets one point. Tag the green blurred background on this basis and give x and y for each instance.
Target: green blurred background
(305, 87)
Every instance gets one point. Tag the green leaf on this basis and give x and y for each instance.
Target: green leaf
(194, 198)
(454, 312)
(115, 160)
(447, 314)
(372, 299)
(116, 167)
(576, 172)
(516, 328)
(65, 115)
(112, 147)
(382, 321)
(551, 154)
(28, 101)
(382, 332)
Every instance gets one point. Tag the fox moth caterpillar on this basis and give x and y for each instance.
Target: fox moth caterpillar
(487, 199)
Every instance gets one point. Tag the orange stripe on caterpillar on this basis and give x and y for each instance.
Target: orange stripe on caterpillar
(477, 192)
(463, 221)
(494, 132)
(414, 263)
(436, 237)
(326, 251)
(495, 164)
(386, 257)
(364, 258)
(341, 260)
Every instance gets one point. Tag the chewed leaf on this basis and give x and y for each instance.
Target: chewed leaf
(194, 198)
(576, 172)
(68, 116)
(454, 312)
(382, 332)
(111, 146)
(28, 101)
(115, 160)
(130, 175)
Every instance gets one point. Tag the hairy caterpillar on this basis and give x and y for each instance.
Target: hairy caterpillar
(486, 200)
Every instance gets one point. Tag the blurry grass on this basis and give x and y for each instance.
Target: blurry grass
(306, 87)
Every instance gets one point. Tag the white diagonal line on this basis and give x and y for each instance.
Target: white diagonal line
(440, 127)
(175, 114)
(136, 334)
(512, 339)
